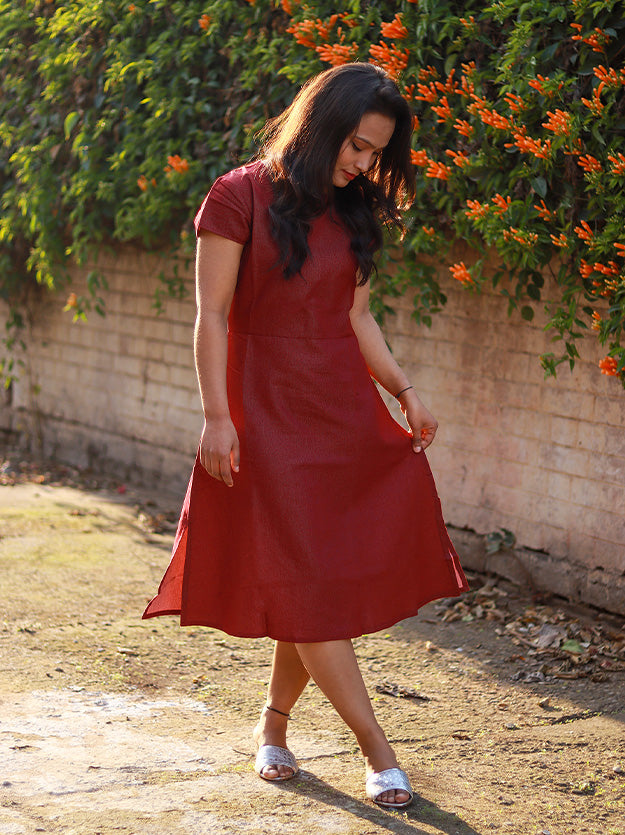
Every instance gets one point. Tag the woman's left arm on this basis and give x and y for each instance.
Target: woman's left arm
(384, 368)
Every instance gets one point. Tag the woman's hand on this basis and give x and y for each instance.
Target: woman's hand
(219, 449)
(422, 422)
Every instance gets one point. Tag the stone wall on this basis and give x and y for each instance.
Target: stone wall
(542, 458)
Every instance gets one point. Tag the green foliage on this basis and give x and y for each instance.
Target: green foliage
(520, 146)
(115, 118)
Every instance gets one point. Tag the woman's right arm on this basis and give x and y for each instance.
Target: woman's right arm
(217, 267)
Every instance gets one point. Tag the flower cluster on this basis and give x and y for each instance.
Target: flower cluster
(176, 164)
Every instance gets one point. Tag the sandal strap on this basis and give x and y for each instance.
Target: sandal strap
(392, 779)
(274, 755)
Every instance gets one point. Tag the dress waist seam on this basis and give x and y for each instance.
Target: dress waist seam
(289, 336)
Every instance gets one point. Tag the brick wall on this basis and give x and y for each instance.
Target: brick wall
(117, 393)
(543, 458)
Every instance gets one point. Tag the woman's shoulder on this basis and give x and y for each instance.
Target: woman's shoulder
(251, 177)
(234, 200)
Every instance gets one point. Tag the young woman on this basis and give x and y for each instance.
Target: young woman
(311, 516)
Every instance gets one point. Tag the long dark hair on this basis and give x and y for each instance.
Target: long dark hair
(301, 147)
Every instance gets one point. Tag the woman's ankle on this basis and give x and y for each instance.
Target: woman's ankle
(377, 751)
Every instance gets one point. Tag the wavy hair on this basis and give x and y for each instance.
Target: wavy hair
(301, 147)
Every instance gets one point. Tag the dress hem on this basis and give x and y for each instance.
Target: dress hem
(304, 639)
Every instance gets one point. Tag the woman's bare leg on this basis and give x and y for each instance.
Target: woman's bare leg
(286, 683)
(334, 668)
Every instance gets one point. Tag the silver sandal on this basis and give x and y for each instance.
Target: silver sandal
(392, 779)
(273, 755)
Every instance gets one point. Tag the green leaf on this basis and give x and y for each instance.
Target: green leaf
(572, 646)
(70, 122)
(539, 184)
(527, 313)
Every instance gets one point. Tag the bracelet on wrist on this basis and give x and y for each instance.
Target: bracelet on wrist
(397, 396)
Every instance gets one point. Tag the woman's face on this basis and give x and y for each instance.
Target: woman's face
(361, 148)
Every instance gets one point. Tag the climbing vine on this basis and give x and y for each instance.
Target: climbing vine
(115, 117)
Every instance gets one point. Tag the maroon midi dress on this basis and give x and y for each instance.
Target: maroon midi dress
(333, 527)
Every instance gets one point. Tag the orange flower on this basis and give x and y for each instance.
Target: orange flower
(303, 32)
(606, 269)
(437, 171)
(561, 241)
(409, 91)
(539, 82)
(559, 122)
(584, 232)
(620, 248)
(429, 231)
(449, 86)
(132, 8)
(541, 150)
(596, 321)
(595, 104)
(467, 88)
(589, 163)
(72, 301)
(609, 77)
(468, 24)
(460, 158)
(286, 5)
(476, 209)
(394, 29)
(502, 204)
(543, 211)
(324, 29)
(608, 365)
(598, 40)
(461, 273)
(428, 72)
(415, 123)
(585, 269)
(524, 238)
(488, 116)
(175, 163)
(142, 182)
(618, 163)
(204, 22)
(419, 158)
(443, 110)
(515, 102)
(463, 127)
(427, 92)
(337, 54)
(393, 60)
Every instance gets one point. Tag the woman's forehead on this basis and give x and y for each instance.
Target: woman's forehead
(375, 129)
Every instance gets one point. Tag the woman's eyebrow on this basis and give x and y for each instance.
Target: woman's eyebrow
(366, 141)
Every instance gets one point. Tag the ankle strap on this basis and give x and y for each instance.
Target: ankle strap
(275, 710)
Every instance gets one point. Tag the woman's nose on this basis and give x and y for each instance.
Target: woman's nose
(364, 161)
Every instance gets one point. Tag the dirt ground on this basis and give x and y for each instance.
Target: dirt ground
(506, 711)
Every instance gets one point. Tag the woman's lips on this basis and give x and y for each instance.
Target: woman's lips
(349, 175)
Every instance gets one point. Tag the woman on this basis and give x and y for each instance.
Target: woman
(311, 516)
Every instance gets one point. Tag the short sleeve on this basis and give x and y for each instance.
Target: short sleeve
(227, 208)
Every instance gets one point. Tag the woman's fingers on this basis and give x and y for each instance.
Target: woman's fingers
(219, 450)
(427, 434)
(235, 456)
(225, 471)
